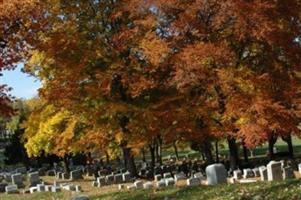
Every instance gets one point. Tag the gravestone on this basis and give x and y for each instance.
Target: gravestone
(48, 188)
(256, 172)
(34, 178)
(76, 174)
(126, 177)
(199, 175)
(121, 187)
(161, 183)
(78, 188)
(55, 189)
(274, 171)
(11, 189)
(193, 182)
(138, 184)
(263, 173)
(169, 181)
(69, 187)
(180, 176)
(2, 187)
(33, 190)
(118, 178)
(158, 177)
(131, 187)
(40, 187)
(287, 173)
(95, 184)
(216, 174)
(17, 179)
(248, 173)
(148, 185)
(109, 179)
(65, 176)
(237, 174)
(21, 170)
(50, 172)
(167, 175)
(101, 181)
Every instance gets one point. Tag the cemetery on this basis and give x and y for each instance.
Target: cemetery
(150, 99)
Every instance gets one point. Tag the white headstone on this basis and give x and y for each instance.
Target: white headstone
(237, 174)
(148, 185)
(216, 174)
(274, 171)
(138, 184)
(193, 182)
(263, 173)
(11, 189)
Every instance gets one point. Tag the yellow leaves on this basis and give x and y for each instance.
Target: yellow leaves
(155, 49)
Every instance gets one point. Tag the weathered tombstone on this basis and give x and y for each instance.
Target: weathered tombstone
(80, 198)
(42, 171)
(40, 187)
(180, 176)
(11, 189)
(101, 181)
(288, 173)
(50, 172)
(138, 184)
(199, 175)
(33, 190)
(78, 188)
(21, 170)
(65, 176)
(126, 177)
(95, 184)
(17, 179)
(121, 187)
(118, 178)
(2, 187)
(34, 178)
(167, 175)
(274, 171)
(216, 174)
(109, 179)
(148, 185)
(7, 177)
(263, 173)
(158, 177)
(248, 173)
(193, 182)
(161, 183)
(169, 181)
(69, 187)
(55, 189)
(237, 174)
(256, 172)
(76, 174)
(131, 187)
(48, 188)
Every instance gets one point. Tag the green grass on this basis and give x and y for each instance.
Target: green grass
(283, 190)
(278, 190)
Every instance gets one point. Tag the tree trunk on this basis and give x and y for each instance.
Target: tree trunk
(233, 154)
(143, 155)
(216, 152)
(66, 164)
(152, 152)
(245, 151)
(159, 150)
(107, 158)
(130, 162)
(207, 149)
(176, 150)
(272, 140)
(288, 140)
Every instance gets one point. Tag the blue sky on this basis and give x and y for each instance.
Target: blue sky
(24, 86)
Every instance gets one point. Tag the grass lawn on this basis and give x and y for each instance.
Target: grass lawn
(259, 191)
